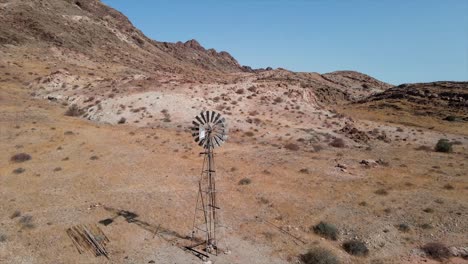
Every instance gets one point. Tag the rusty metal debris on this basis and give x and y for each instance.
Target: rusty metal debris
(89, 238)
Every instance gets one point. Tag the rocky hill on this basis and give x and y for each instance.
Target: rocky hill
(99, 33)
(443, 99)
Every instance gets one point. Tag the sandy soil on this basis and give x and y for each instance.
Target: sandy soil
(81, 172)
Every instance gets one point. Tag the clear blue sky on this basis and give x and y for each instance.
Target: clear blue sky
(394, 41)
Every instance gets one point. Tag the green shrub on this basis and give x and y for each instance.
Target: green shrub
(356, 248)
(326, 230)
(318, 256)
(443, 145)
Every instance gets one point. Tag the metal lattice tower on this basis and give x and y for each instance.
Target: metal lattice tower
(209, 131)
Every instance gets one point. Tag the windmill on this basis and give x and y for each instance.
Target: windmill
(209, 130)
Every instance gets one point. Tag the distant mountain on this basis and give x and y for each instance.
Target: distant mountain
(99, 32)
(88, 38)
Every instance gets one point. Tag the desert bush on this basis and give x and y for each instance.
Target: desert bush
(20, 157)
(426, 226)
(428, 210)
(291, 146)
(338, 143)
(381, 192)
(15, 214)
(26, 221)
(122, 120)
(319, 256)
(326, 230)
(19, 170)
(317, 147)
(443, 145)
(94, 158)
(245, 181)
(355, 247)
(304, 170)
(403, 227)
(424, 148)
(2, 238)
(249, 133)
(58, 169)
(278, 100)
(448, 186)
(436, 250)
(240, 91)
(450, 118)
(252, 89)
(74, 110)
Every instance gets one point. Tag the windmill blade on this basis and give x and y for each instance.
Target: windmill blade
(207, 116)
(203, 117)
(219, 139)
(220, 121)
(212, 115)
(195, 124)
(217, 117)
(201, 142)
(199, 120)
(216, 140)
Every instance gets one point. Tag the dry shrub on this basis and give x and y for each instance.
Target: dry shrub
(240, 91)
(403, 227)
(437, 251)
(356, 248)
(424, 148)
(278, 100)
(326, 230)
(318, 256)
(338, 143)
(74, 110)
(252, 89)
(448, 186)
(20, 157)
(15, 214)
(26, 221)
(245, 181)
(19, 170)
(381, 192)
(122, 120)
(249, 133)
(443, 145)
(291, 146)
